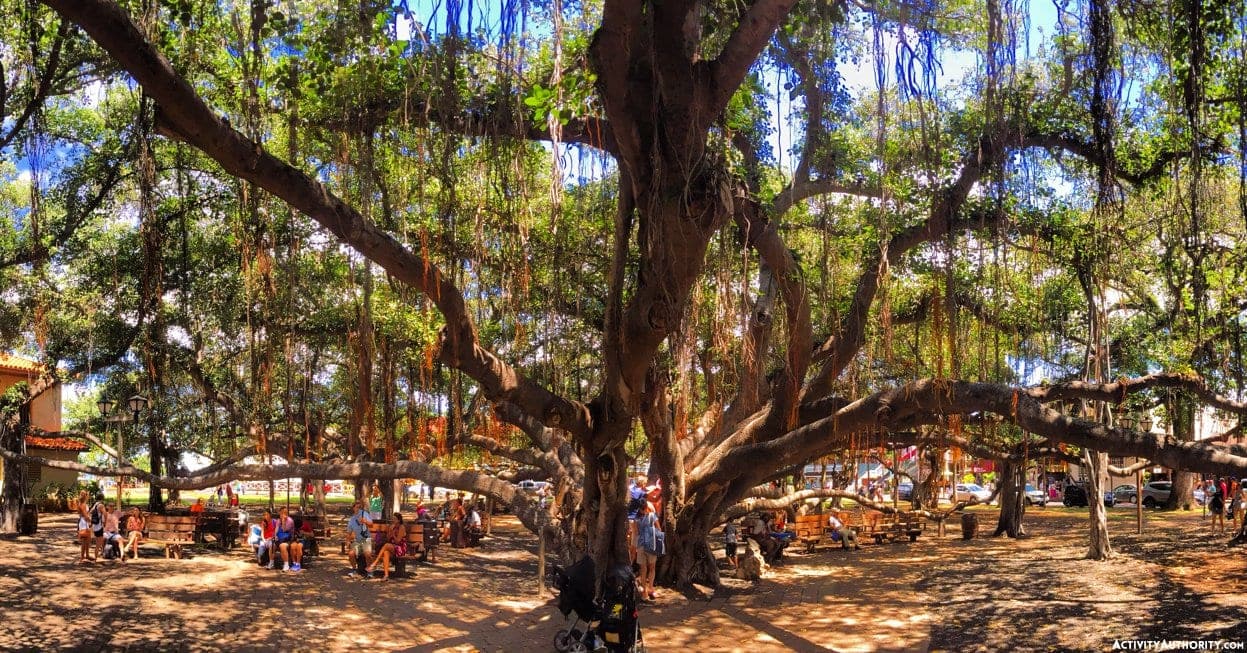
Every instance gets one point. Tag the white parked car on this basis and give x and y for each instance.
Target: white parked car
(533, 486)
(1035, 497)
(967, 490)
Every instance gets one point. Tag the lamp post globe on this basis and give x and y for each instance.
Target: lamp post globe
(137, 403)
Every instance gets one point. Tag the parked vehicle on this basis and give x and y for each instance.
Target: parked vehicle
(1156, 493)
(905, 492)
(1035, 497)
(1076, 495)
(1124, 493)
(967, 490)
(533, 486)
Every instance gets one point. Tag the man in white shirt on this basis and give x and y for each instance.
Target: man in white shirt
(845, 536)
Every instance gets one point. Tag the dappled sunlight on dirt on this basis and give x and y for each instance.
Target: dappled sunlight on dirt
(1177, 581)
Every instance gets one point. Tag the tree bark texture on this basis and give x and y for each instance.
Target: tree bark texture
(1012, 479)
(12, 494)
(1100, 548)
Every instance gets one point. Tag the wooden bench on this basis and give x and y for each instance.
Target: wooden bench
(170, 531)
(221, 525)
(419, 547)
(811, 530)
(320, 531)
(880, 527)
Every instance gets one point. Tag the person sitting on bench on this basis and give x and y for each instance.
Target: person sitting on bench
(840, 533)
(393, 544)
(290, 546)
(134, 531)
(112, 533)
(760, 532)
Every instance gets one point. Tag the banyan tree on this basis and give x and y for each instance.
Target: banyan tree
(725, 238)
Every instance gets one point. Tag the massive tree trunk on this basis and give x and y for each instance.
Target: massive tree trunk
(1012, 479)
(12, 495)
(1183, 409)
(689, 559)
(1100, 547)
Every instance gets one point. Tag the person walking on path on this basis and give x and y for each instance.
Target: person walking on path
(84, 527)
(645, 534)
(1216, 506)
(731, 537)
(376, 503)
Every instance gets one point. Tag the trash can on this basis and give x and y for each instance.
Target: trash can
(28, 520)
(432, 536)
(969, 525)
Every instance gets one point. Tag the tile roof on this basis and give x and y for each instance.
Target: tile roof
(12, 363)
(56, 443)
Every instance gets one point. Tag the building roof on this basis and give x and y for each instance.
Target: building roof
(54, 443)
(10, 363)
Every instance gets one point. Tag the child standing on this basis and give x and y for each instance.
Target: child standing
(731, 537)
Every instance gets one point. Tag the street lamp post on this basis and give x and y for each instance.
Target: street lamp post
(106, 407)
(137, 404)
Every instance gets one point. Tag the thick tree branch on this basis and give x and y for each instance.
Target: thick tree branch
(751, 35)
(496, 118)
(1117, 391)
(182, 108)
(929, 400)
(801, 190)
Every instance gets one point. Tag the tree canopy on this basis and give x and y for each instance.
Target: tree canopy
(385, 240)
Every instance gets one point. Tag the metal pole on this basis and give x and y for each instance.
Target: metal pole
(541, 564)
(120, 440)
(120, 479)
(1138, 501)
(896, 480)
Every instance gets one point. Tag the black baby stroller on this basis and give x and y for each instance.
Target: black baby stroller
(609, 624)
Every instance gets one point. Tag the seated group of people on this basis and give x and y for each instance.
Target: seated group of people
(281, 536)
(101, 523)
(771, 541)
(463, 524)
(366, 550)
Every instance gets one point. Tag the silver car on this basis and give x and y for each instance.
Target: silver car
(1035, 497)
(1124, 493)
(1156, 493)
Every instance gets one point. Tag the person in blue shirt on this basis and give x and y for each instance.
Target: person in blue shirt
(361, 544)
(644, 536)
(288, 543)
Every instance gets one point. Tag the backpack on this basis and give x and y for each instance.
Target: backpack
(95, 518)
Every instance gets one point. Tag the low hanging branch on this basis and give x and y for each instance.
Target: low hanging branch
(928, 401)
(1117, 391)
(1113, 470)
(781, 502)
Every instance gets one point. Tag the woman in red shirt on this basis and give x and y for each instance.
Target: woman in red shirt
(268, 535)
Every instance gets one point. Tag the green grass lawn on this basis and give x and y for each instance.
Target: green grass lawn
(138, 497)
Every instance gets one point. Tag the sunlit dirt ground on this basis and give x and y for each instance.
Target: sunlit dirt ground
(1177, 581)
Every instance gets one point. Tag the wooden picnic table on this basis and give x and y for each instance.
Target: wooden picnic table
(221, 524)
